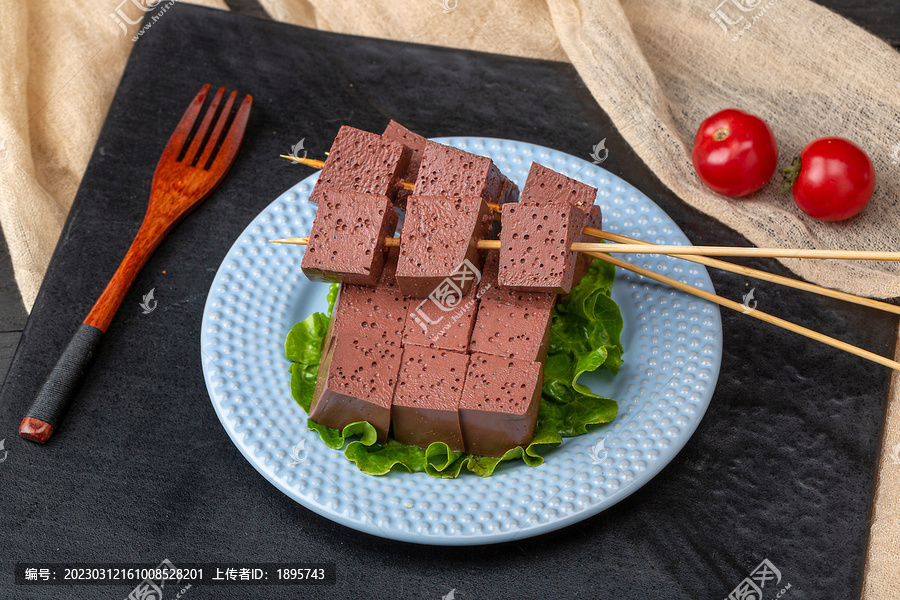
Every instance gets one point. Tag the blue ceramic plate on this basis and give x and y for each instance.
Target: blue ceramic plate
(673, 349)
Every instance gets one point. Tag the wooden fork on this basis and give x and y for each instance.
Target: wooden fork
(185, 176)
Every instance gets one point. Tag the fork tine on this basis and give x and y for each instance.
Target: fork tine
(200, 136)
(183, 130)
(232, 141)
(217, 131)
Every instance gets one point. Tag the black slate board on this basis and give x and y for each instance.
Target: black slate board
(782, 466)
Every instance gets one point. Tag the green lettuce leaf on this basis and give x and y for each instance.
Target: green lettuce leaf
(585, 335)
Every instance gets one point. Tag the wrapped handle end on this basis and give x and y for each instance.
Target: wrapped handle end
(35, 430)
(56, 394)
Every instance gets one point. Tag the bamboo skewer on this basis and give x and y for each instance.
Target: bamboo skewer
(762, 316)
(703, 260)
(641, 247)
(755, 273)
(735, 251)
(644, 248)
(304, 241)
(692, 255)
(318, 164)
(309, 162)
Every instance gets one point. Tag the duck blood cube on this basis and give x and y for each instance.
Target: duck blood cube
(520, 330)
(449, 171)
(346, 242)
(546, 185)
(416, 144)
(584, 261)
(534, 246)
(388, 279)
(499, 404)
(425, 408)
(359, 370)
(369, 316)
(363, 162)
(434, 326)
(438, 242)
(490, 289)
(356, 382)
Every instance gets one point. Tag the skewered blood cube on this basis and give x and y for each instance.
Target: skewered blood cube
(499, 404)
(546, 185)
(346, 242)
(416, 143)
(449, 171)
(363, 162)
(534, 246)
(439, 237)
(426, 401)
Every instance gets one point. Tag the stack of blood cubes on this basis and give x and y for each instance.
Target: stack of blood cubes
(437, 341)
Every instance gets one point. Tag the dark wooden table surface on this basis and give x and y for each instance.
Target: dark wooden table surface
(881, 17)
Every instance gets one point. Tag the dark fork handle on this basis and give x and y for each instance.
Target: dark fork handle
(58, 390)
(52, 401)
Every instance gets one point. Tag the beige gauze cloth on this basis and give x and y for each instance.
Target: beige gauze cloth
(657, 67)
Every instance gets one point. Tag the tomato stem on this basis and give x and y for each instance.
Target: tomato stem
(790, 174)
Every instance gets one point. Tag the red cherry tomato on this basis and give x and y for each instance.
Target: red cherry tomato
(832, 180)
(735, 153)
